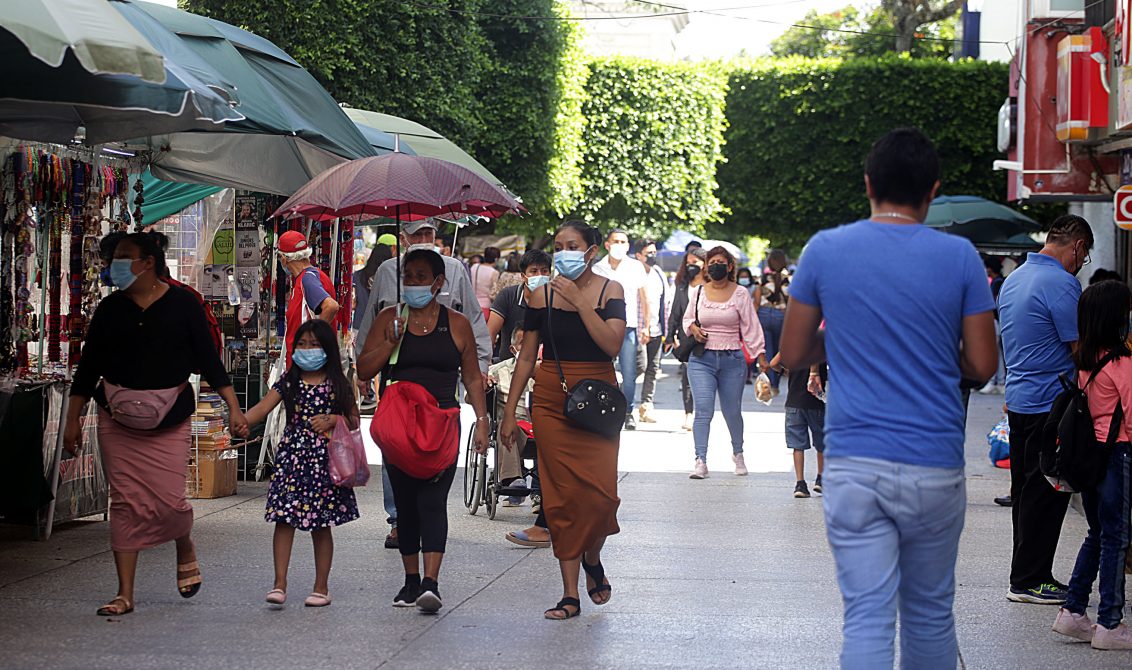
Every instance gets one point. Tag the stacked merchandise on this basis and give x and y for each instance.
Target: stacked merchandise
(212, 469)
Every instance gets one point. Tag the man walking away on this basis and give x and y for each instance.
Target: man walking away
(631, 274)
(652, 337)
(894, 487)
(1037, 310)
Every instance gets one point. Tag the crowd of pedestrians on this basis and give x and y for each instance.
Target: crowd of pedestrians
(566, 332)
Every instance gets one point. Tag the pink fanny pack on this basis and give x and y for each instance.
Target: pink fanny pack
(140, 409)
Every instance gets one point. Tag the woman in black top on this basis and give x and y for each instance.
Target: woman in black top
(438, 346)
(585, 315)
(147, 336)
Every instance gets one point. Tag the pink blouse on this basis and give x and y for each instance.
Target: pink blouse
(1113, 383)
(727, 322)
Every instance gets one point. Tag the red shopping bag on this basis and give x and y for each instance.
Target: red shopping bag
(348, 466)
(415, 435)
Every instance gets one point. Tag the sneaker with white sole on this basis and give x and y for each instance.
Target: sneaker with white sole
(740, 466)
(1043, 594)
(407, 596)
(1112, 638)
(817, 484)
(801, 490)
(700, 471)
(429, 601)
(1076, 626)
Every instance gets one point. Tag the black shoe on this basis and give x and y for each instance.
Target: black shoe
(391, 541)
(428, 602)
(409, 593)
(1005, 501)
(630, 421)
(801, 490)
(817, 485)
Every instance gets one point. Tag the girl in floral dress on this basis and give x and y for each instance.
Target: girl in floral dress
(314, 392)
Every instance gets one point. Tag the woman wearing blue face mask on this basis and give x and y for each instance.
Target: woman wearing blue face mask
(314, 391)
(435, 346)
(143, 342)
(581, 317)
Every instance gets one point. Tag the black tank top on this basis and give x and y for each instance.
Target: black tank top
(431, 360)
(571, 339)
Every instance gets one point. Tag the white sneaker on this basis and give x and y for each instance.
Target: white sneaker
(1117, 638)
(1076, 626)
(740, 466)
(700, 472)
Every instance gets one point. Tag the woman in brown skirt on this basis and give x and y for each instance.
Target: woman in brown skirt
(585, 316)
(148, 336)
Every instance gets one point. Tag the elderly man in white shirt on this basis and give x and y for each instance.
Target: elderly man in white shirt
(631, 274)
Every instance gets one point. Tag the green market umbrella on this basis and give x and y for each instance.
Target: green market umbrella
(97, 36)
(422, 140)
(291, 131)
(165, 198)
(989, 225)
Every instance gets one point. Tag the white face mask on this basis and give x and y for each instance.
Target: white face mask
(423, 245)
(619, 251)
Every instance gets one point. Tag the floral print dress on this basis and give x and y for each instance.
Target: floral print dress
(301, 493)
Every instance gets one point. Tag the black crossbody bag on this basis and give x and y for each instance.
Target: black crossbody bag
(592, 404)
(688, 345)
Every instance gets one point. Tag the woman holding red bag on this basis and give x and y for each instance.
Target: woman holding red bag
(420, 356)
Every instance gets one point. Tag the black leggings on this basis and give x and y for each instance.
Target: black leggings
(422, 510)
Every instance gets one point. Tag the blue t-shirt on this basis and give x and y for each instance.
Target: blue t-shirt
(313, 292)
(1037, 309)
(894, 297)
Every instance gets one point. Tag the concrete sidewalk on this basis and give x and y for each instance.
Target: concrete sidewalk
(724, 573)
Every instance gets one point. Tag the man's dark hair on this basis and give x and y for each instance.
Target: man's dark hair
(490, 255)
(614, 231)
(1068, 228)
(694, 244)
(1101, 274)
(535, 257)
(640, 246)
(902, 167)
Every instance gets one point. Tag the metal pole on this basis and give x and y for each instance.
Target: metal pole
(397, 212)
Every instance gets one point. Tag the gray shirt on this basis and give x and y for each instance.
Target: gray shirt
(457, 293)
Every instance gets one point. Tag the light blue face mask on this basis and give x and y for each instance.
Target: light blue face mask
(570, 263)
(121, 274)
(309, 359)
(537, 281)
(417, 297)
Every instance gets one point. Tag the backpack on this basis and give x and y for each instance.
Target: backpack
(1071, 457)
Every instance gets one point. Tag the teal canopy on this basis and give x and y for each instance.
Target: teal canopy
(165, 198)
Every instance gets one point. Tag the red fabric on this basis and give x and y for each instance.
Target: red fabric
(213, 324)
(415, 435)
(297, 312)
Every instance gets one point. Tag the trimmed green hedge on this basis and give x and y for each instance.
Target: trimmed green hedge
(800, 129)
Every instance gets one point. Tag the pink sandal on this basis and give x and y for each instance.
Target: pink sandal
(276, 596)
(317, 600)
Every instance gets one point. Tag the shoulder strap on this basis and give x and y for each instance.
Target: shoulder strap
(397, 349)
(1114, 427)
(699, 292)
(1110, 357)
(550, 336)
(601, 296)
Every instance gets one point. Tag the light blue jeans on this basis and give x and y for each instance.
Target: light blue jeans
(387, 498)
(627, 362)
(894, 532)
(723, 373)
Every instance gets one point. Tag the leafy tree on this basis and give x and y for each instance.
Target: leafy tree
(851, 33)
(908, 16)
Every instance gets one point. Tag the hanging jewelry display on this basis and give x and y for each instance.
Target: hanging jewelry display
(139, 188)
(80, 195)
(345, 279)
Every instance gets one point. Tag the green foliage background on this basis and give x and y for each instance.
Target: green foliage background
(770, 148)
(800, 130)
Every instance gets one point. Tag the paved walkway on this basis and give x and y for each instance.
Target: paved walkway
(725, 573)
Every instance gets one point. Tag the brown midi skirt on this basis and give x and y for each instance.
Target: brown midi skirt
(146, 470)
(577, 468)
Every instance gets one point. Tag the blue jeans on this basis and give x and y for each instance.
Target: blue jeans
(1106, 544)
(771, 320)
(725, 373)
(627, 361)
(387, 498)
(894, 532)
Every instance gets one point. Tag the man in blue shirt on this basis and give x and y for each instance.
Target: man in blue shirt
(907, 313)
(1038, 313)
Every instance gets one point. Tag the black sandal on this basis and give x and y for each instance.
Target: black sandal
(561, 607)
(597, 573)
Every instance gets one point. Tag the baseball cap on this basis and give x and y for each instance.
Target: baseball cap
(292, 241)
(414, 227)
(388, 239)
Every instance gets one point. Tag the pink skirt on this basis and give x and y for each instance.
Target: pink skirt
(146, 470)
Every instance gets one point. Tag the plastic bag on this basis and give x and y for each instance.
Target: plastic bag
(348, 466)
(999, 441)
(762, 389)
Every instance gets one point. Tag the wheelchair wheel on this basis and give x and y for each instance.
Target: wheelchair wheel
(491, 499)
(474, 475)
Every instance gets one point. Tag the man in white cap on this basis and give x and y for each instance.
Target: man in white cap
(457, 293)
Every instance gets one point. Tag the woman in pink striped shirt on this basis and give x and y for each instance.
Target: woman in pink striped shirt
(722, 317)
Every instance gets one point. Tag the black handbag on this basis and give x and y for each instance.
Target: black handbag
(592, 404)
(687, 345)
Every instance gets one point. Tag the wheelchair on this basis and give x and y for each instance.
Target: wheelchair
(481, 471)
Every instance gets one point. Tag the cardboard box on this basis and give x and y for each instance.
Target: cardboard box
(212, 474)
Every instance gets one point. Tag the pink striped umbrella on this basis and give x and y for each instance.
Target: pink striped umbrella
(398, 186)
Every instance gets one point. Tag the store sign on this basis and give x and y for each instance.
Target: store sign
(1122, 207)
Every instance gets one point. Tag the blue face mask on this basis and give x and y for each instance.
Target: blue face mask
(309, 359)
(570, 264)
(121, 274)
(537, 281)
(417, 297)
(744, 281)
